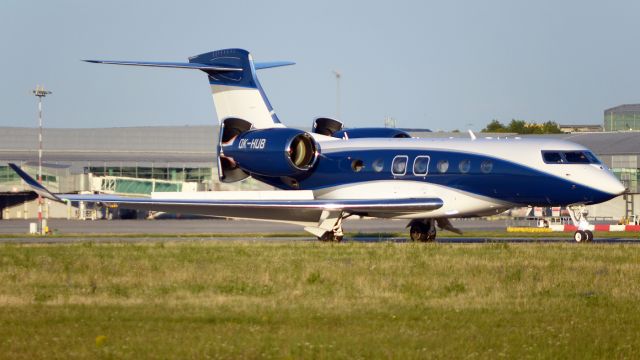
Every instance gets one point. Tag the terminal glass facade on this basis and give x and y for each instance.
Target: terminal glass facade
(185, 174)
(622, 118)
(625, 167)
(8, 176)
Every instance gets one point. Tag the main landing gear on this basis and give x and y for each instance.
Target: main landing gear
(579, 218)
(331, 236)
(423, 230)
(330, 226)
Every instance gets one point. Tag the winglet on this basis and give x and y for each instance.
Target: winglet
(33, 184)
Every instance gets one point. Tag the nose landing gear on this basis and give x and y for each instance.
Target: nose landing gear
(583, 236)
(579, 218)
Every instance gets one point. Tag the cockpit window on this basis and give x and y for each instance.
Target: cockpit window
(570, 157)
(576, 157)
(552, 157)
(592, 158)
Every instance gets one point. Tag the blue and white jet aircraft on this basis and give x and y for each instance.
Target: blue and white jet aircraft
(331, 173)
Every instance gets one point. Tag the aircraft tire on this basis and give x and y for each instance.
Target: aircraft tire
(330, 236)
(589, 234)
(420, 232)
(416, 233)
(580, 236)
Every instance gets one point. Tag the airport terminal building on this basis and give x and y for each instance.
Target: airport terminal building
(622, 118)
(139, 160)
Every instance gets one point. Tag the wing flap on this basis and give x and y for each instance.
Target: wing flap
(273, 210)
(350, 205)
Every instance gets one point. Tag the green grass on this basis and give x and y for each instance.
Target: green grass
(319, 300)
(353, 235)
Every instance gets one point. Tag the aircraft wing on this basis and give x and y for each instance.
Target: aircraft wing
(291, 210)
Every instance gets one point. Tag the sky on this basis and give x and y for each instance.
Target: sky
(442, 65)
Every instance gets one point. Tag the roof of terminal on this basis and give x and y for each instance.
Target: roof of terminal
(625, 108)
(196, 144)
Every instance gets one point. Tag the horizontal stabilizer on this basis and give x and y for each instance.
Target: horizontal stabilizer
(178, 65)
(271, 64)
(195, 66)
(236, 90)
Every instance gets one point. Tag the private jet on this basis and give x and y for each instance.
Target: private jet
(332, 172)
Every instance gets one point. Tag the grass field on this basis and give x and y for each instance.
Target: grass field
(241, 299)
(489, 234)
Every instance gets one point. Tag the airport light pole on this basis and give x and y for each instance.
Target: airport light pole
(338, 75)
(40, 93)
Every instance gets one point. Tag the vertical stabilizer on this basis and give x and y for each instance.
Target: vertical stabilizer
(238, 94)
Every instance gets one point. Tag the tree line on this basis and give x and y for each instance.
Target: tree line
(522, 127)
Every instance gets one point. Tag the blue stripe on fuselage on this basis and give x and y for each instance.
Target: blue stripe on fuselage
(507, 181)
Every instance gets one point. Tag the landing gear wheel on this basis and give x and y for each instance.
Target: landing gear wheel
(422, 232)
(330, 236)
(589, 234)
(580, 236)
(418, 232)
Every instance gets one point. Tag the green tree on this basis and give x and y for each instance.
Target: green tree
(522, 127)
(518, 127)
(550, 127)
(495, 126)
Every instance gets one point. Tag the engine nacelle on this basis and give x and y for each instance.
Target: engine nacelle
(357, 133)
(335, 128)
(273, 152)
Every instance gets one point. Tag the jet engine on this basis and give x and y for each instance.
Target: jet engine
(272, 152)
(333, 127)
(370, 133)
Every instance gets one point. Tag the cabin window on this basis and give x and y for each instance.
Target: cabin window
(421, 165)
(399, 165)
(443, 166)
(378, 165)
(464, 166)
(357, 165)
(486, 166)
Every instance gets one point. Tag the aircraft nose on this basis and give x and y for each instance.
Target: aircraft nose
(614, 186)
(618, 188)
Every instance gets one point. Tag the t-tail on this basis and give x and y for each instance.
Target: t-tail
(237, 93)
